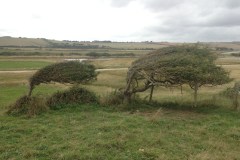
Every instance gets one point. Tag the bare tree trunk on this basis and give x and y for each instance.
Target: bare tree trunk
(127, 98)
(235, 101)
(195, 94)
(151, 93)
(236, 95)
(30, 91)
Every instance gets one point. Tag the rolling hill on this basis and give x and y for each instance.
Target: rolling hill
(24, 42)
(8, 41)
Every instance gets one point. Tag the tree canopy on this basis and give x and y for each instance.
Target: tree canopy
(173, 66)
(65, 72)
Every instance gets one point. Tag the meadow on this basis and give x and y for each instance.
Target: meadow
(168, 128)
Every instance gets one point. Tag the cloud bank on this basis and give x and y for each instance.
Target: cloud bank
(123, 20)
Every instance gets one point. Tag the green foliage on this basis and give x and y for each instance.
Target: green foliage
(175, 66)
(35, 105)
(235, 54)
(66, 72)
(74, 95)
(29, 106)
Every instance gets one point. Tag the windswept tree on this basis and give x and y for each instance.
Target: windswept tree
(174, 66)
(72, 72)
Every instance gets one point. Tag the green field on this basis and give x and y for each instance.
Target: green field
(96, 132)
(22, 65)
(168, 128)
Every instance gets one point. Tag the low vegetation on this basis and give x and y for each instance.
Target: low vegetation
(72, 72)
(113, 98)
(175, 66)
(235, 54)
(233, 93)
(90, 121)
(35, 105)
(75, 95)
(29, 106)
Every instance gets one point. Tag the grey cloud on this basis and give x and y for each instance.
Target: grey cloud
(217, 34)
(159, 5)
(220, 22)
(194, 33)
(154, 5)
(120, 3)
(220, 25)
(232, 3)
(225, 19)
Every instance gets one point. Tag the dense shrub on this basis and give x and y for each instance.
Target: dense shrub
(236, 54)
(28, 105)
(72, 96)
(72, 72)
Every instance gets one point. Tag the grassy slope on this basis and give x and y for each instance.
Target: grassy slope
(39, 42)
(9, 41)
(93, 132)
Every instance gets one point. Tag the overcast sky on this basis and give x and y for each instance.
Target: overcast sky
(122, 20)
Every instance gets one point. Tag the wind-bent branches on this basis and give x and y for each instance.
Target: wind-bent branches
(175, 66)
(72, 72)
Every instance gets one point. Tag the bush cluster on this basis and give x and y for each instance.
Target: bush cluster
(28, 105)
(72, 72)
(73, 95)
(31, 106)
